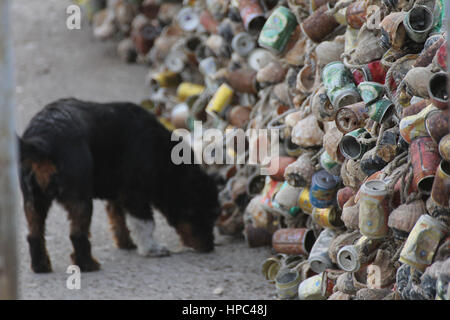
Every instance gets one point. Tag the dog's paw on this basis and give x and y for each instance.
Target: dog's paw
(42, 266)
(86, 265)
(126, 245)
(155, 251)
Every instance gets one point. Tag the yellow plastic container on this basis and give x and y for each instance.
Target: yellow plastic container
(221, 99)
(187, 89)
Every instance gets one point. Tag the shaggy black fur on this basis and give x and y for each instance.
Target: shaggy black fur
(74, 151)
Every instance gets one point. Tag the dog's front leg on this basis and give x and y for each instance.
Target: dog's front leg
(116, 215)
(142, 232)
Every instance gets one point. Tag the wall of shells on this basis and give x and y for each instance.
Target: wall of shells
(357, 206)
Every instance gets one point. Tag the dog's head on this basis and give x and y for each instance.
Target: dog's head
(196, 223)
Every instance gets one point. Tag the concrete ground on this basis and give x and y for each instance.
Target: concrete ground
(52, 62)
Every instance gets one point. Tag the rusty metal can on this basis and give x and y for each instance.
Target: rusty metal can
(329, 278)
(437, 124)
(270, 268)
(270, 189)
(351, 117)
(352, 258)
(293, 241)
(343, 195)
(441, 56)
(286, 199)
(425, 161)
(393, 32)
(370, 163)
(371, 91)
(428, 53)
(437, 90)
(413, 126)
(444, 147)
(286, 284)
(338, 81)
(373, 209)
(381, 110)
(351, 147)
(415, 108)
(277, 30)
(356, 14)
(322, 193)
(329, 164)
(440, 192)
(422, 242)
(327, 217)
(373, 71)
(387, 148)
(311, 289)
(418, 23)
(303, 201)
(318, 259)
(319, 24)
(252, 15)
(348, 258)
(257, 237)
(327, 285)
(243, 80)
(321, 105)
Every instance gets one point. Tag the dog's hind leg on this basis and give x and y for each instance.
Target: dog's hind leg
(80, 214)
(142, 225)
(121, 234)
(36, 209)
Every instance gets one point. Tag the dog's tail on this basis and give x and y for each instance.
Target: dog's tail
(35, 149)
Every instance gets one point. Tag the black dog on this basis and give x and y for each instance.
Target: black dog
(74, 151)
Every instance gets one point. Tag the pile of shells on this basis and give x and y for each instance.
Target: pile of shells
(355, 202)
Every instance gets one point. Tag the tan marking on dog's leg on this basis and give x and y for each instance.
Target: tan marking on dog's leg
(117, 220)
(185, 232)
(80, 214)
(189, 239)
